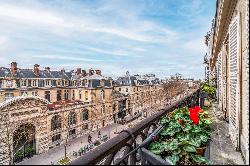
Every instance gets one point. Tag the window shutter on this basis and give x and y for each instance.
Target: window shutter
(234, 79)
(247, 76)
(219, 78)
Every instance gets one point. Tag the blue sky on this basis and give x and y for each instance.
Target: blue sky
(142, 36)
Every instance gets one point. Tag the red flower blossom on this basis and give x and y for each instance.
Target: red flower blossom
(194, 114)
(180, 121)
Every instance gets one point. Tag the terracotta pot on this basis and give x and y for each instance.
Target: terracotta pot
(200, 150)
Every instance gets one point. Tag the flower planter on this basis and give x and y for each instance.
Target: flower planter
(182, 140)
(149, 158)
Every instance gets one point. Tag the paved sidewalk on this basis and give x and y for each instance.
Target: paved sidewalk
(57, 153)
(222, 151)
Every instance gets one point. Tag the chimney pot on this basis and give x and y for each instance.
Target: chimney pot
(36, 69)
(13, 68)
(84, 73)
(98, 72)
(47, 69)
(78, 71)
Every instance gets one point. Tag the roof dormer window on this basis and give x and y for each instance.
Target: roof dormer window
(47, 82)
(24, 83)
(34, 83)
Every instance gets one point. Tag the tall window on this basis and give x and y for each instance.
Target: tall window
(80, 95)
(73, 94)
(72, 118)
(24, 83)
(47, 95)
(8, 96)
(34, 93)
(59, 95)
(86, 95)
(66, 94)
(102, 94)
(56, 122)
(34, 83)
(59, 83)
(102, 109)
(47, 82)
(85, 115)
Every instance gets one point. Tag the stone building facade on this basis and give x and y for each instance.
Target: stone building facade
(41, 109)
(228, 63)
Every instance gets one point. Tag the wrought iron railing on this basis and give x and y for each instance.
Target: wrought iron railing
(122, 149)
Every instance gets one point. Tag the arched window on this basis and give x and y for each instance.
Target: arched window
(56, 122)
(72, 118)
(85, 115)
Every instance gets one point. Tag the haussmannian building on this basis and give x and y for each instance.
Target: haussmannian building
(41, 108)
(227, 64)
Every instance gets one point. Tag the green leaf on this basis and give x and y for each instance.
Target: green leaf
(165, 120)
(196, 129)
(173, 145)
(195, 142)
(186, 127)
(189, 148)
(177, 151)
(172, 159)
(156, 147)
(200, 159)
(203, 138)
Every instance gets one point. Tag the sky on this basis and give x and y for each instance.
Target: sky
(163, 37)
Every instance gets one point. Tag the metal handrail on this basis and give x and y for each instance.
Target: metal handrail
(115, 144)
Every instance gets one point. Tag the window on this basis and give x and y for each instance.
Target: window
(47, 82)
(34, 83)
(66, 83)
(66, 94)
(80, 95)
(102, 94)
(56, 137)
(72, 118)
(8, 96)
(73, 94)
(56, 122)
(59, 83)
(86, 95)
(102, 109)
(47, 95)
(34, 93)
(72, 132)
(59, 95)
(85, 115)
(120, 89)
(24, 83)
(24, 93)
(126, 89)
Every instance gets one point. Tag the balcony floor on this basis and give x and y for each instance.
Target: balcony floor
(222, 151)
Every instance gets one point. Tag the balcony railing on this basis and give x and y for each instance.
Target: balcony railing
(107, 153)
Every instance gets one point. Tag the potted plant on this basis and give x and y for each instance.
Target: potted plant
(182, 139)
(18, 156)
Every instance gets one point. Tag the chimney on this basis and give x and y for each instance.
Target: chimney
(36, 69)
(78, 71)
(63, 70)
(91, 72)
(84, 73)
(14, 68)
(98, 72)
(47, 69)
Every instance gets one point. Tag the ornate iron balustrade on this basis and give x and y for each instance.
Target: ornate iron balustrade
(128, 140)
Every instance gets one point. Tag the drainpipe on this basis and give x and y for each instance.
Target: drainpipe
(238, 148)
